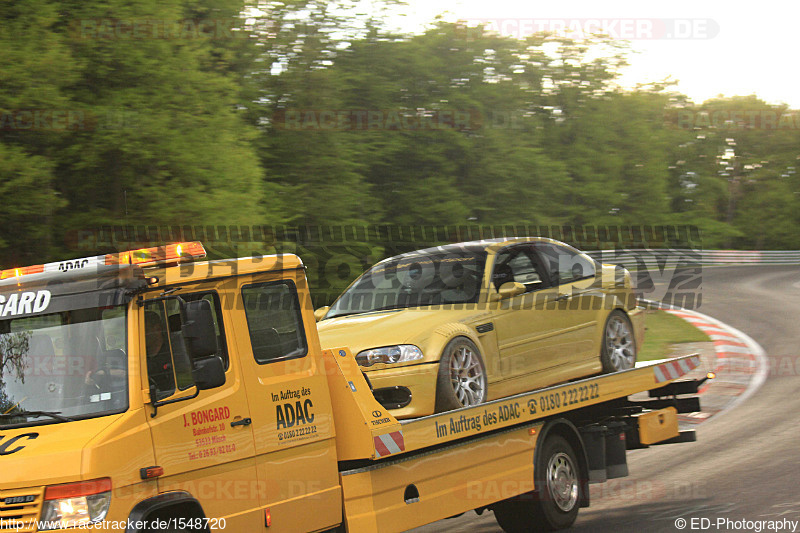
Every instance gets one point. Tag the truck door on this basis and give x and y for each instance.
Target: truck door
(203, 444)
(289, 402)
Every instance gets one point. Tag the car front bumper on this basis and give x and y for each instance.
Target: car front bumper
(419, 379)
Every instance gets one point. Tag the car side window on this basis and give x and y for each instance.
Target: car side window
(564, 263)
(169, 366)
(520, 265)
(274, 321)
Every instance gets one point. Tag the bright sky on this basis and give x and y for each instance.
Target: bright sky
(734, 48)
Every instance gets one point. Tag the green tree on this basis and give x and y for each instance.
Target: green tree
(35, 66)
(169, 146)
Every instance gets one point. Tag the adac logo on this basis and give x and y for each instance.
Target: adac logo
(15, 444)
(64, 266)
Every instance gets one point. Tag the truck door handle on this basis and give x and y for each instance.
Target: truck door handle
(242, 422)
(562, 297)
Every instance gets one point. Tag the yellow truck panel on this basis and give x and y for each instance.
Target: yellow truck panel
(658, 426)
(409, 493)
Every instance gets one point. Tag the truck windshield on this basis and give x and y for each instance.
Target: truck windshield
(62, 366)
(415, 280)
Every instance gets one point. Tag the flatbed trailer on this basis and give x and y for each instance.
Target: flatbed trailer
(396, 475)
(238, 420)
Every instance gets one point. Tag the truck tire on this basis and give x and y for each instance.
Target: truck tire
(618, 348)
(555, 503)
(461, 381)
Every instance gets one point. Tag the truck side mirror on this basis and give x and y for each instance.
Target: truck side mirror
(198, 329)
(208, 373)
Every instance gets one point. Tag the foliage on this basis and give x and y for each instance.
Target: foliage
(457, 127)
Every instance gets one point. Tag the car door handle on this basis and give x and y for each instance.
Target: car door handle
(242, 422)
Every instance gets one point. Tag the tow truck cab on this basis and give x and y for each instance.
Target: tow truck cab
(117, 403)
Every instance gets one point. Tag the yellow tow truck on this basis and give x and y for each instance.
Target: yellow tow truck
(148, 390)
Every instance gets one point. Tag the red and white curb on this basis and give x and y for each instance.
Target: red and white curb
(741, 366)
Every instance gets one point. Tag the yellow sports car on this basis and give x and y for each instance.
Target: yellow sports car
(457, 325)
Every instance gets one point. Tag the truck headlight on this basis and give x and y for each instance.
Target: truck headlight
(74, 504)
(389, 354)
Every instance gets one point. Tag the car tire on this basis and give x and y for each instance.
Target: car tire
(461, 381)
(555, 503)
(618, 348)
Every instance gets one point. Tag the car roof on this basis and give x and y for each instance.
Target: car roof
(468, 246)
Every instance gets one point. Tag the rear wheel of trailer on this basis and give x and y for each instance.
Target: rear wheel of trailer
(557, 499)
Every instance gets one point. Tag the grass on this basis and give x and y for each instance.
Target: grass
(664, 330)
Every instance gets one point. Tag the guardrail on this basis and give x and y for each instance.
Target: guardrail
(660, 258)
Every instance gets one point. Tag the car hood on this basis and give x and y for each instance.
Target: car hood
(386, 328)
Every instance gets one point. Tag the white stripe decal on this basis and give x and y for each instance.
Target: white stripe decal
(390, 444)
(673, 371)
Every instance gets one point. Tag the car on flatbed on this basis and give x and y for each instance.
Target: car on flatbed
(457, 325)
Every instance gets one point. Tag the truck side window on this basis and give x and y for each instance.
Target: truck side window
(174, 320)
(274, 320)
(168, 364)
(159, 358)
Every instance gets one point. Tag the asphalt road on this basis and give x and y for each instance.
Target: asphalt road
(746, 463)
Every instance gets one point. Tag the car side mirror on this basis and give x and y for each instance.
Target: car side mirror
(198, 329)
(509, 289)
(320, 313)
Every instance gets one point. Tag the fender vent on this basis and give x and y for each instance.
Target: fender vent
(485, 328)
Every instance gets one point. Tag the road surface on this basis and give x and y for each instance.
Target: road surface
(745, 464)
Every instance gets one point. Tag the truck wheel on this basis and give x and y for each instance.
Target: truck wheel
(618, 349)
(461, 381)
(556, 502)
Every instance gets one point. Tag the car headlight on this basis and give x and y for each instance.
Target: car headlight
(74, 504)
(389, 354)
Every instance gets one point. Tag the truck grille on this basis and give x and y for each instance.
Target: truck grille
(20, 509)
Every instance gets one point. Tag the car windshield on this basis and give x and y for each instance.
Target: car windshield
(62, 366)
(424, 279)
